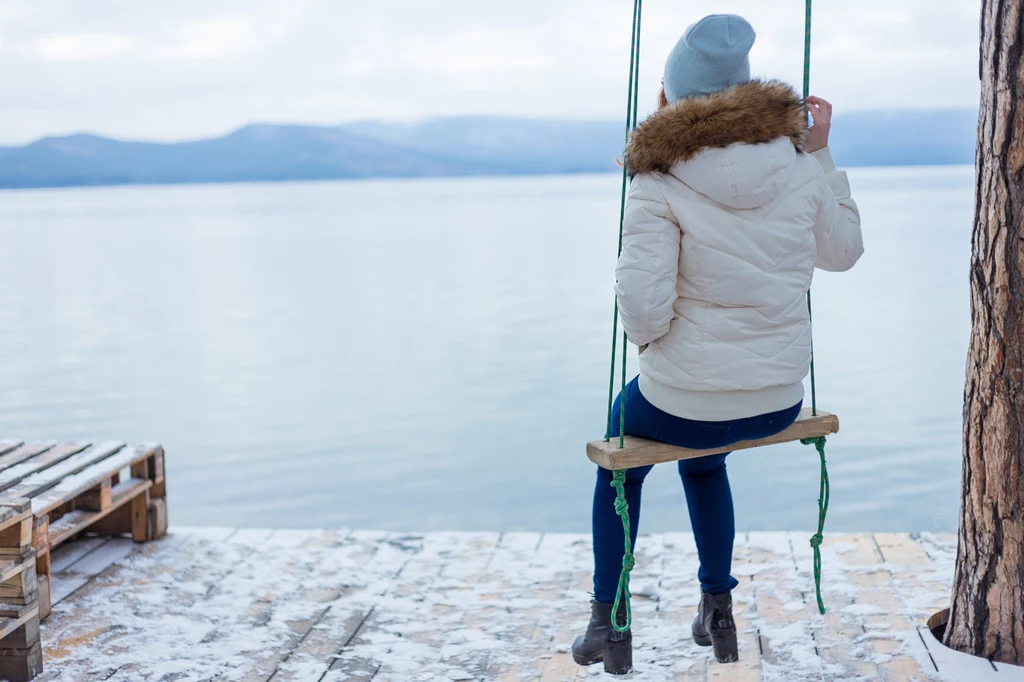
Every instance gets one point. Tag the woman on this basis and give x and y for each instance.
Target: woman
(733, 204)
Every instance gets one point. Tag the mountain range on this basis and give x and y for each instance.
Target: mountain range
(469, 146)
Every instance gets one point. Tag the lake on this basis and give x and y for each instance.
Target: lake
(433, 354)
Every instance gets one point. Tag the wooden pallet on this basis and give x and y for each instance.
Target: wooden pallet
(49, 493)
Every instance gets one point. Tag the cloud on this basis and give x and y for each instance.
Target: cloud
(214, 38)
(66, 47)
(193, 68)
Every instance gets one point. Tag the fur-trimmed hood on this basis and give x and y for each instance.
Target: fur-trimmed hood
(752, 113)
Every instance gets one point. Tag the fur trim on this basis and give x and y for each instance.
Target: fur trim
(751, 113)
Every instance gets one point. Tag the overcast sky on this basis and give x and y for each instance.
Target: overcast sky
(163, 69)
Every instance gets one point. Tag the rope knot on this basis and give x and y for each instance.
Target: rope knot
(816, 540)
(621, 506)
(628, 562)
(818, 443)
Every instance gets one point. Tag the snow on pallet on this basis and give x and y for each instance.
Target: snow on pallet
(49, 493)
(306, 606)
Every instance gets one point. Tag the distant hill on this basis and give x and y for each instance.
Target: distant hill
(436, 148)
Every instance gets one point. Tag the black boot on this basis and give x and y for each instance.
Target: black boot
(715, 627)
(602, 643)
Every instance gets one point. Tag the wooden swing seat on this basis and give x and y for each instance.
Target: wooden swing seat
(638, 452)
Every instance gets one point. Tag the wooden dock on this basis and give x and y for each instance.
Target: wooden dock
(280, 606)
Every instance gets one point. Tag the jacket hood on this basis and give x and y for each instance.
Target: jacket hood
(736, 146)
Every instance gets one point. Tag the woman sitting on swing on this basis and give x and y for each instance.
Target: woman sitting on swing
(733, 203)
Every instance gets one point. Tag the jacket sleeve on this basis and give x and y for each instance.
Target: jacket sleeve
(837, 227)
(649, 263)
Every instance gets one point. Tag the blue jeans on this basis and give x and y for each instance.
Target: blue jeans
(705, 482)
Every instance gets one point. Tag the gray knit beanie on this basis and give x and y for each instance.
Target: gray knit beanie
(712, 55)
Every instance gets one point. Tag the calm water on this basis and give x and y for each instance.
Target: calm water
(433, 354)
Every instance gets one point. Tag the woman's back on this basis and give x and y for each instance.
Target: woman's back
(727, 218)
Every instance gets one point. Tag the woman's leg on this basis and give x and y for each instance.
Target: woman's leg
(709, 496)
(709, 501)
(609, 538)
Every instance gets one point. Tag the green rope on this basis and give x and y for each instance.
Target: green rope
(622, 592)
(808, 13)
(807, 48)
(818, 443)
(816, 539)
(619, 477)
(814, 392)
(631, 106)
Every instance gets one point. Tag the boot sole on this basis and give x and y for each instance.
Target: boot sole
(724, 643)
(593, 660)
(616, 656)
(726, 647)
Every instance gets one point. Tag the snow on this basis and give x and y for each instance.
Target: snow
(339, 605)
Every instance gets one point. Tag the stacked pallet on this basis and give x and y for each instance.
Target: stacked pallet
(49, 493)
(21, 654)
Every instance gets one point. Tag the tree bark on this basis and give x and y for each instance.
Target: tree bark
(987, 615)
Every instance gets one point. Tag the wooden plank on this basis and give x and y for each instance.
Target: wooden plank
(341, 623)
(298, 590)
(41, 533)
(23, 452)
(331, 633)
(9, 624)
(640, 452)
(159, 488)
(19, 584)
(47, 478)
(156, 465)
(101, 558)
(419, 575)
(556, 630)
(86, 473)
(509, 564)
(43, 590)
(887, 628)
(15, 610)
(138, 509)
(95, 500)
(748, 668)
(21, 665)
(68, 581)
(467, 563)
(6, 445)
(77, 563)
(839, 634)
(79, 520)
(9, 568)
(902, 551)
(787, 640)
(24, 635)
(525, 569)
(17, 532)
(156, 526)
(66, 556)
(679, 597)
(13, 475)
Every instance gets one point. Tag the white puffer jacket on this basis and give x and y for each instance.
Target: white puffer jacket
(726, 220)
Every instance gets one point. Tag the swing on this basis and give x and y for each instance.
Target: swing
(626, 452)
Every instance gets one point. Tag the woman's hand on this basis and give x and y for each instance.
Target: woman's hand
(821, 114)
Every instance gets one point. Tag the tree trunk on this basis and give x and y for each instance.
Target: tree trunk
(987, 616)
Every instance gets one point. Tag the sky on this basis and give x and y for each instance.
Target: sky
(198, 68)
